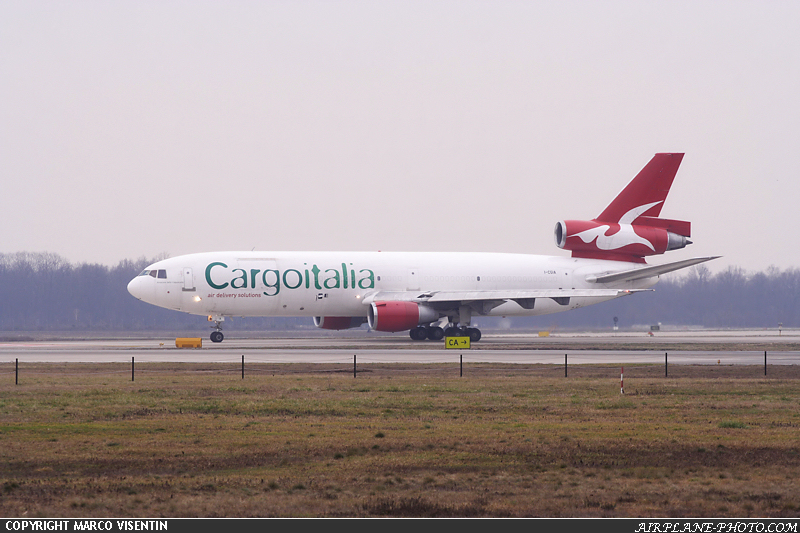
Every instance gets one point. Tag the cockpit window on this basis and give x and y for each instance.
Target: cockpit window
(160, 274)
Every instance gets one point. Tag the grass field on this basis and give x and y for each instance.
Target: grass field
(84, 440)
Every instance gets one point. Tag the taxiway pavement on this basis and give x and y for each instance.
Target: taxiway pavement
(745, 347)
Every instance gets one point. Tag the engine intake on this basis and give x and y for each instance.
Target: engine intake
(399, 316)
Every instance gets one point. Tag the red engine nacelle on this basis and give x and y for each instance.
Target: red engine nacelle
(338, 322)
(399, 316)
(622, 242)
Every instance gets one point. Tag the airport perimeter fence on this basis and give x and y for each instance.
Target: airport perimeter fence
(641, 365)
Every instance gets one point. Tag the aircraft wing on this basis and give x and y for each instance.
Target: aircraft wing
(485, 301)
(647, 272)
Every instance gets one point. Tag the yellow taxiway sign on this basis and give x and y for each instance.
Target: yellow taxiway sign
(457, 342)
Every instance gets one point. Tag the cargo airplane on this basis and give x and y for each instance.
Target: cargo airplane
(434, 294)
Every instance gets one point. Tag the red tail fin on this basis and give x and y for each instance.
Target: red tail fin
(629, 229)
(645, 194)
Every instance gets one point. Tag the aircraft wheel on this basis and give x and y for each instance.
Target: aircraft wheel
(435, 333)
(452, 332)
(417, 334)
(217, 336)
(474, 334)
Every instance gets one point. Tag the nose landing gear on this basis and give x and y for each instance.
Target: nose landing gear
(216, 335)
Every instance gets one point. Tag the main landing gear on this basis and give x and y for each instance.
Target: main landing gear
(451, 328)
(435, 333)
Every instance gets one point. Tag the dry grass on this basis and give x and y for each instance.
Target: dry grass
(399, 440)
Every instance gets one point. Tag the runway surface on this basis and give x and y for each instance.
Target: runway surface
(703, 348)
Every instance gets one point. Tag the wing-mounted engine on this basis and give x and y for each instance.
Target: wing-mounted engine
(338, 322)
(399, 315)
(622, 242)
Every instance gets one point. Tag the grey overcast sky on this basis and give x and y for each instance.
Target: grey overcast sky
(135, 128)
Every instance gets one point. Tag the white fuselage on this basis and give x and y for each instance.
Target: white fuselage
(298, 284)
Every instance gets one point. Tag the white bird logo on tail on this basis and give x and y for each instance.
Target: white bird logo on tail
(625, 236)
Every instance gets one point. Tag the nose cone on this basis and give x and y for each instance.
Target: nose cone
(135, 287)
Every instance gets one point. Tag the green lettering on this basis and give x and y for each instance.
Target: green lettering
(276, 285)
(299, 279)
(253, 272)
(335, 278)
(370, 279)
(243, 278)
(293, 278)
(208, 276)
(315, 270)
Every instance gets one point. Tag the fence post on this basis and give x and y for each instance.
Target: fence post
(666, 365)
(16, 371)
(765, 362)
(460, 365)
(131, 368)
(242, 366)
(354, 365)
(565, 365)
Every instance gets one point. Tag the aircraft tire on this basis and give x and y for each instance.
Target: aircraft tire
(435, 333)
(417, 334)
(217, 336)
(474, 334)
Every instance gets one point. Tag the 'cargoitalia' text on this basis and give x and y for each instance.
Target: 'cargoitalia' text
(271, 280)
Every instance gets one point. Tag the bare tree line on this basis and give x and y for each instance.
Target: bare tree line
(43, 291)
(732, 298)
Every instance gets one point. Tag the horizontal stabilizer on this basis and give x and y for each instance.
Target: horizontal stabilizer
(647, 272)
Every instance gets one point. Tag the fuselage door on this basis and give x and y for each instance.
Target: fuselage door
(188, 279)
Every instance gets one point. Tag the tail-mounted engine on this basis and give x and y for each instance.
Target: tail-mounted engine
(622, 242)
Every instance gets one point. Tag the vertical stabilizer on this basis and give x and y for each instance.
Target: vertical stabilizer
(645, 194)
